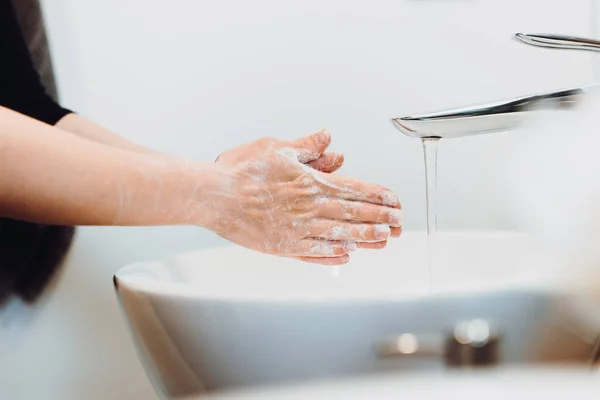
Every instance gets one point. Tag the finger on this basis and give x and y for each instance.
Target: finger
(371, 245)
(325, 260)
(352, 189)
(328, 162)
(334, 230)
(396, 232)
(312, 247)
(311, 147)
(344, 210)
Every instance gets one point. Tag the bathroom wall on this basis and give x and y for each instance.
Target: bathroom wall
(194, 77)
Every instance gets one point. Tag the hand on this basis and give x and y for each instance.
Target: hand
(315, 157)
(318, 159)
(285, 202)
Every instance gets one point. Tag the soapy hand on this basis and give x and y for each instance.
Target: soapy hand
(318, 143)
(286, 202)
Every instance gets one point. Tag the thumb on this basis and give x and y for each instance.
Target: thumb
(311, 147)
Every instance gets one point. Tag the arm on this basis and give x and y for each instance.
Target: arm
(21, 89)
(51, 176)
(80, 126)
(267, 202)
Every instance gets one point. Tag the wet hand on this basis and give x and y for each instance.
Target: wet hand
(285, 201)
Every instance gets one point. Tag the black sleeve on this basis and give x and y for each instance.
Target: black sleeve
(21, 88)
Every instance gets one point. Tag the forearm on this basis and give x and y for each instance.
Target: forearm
(51, 176)
(81, 126)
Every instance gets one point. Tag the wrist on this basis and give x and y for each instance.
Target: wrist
(209, 188)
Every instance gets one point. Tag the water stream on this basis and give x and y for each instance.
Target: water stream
(430, 150)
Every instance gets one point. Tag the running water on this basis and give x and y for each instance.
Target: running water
(430, 149)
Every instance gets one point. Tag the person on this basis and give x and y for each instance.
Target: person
(278, 197)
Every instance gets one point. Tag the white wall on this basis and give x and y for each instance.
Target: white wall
(194, 77)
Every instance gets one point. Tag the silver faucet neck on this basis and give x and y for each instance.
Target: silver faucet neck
(502, 115)
(563, 42)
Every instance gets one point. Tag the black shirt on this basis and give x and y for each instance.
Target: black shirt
(21, 88)
(30, 253)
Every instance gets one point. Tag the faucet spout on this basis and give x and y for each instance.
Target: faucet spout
(563, 42)
(503, 115)
(490, 117)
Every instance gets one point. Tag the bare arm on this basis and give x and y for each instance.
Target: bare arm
(85, 128)
(262, 195)
(51, 176)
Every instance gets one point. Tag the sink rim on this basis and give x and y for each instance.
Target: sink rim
(141, 277)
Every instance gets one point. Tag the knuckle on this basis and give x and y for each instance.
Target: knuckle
(308, 184)
(310, 213)
(352, 211)
(365, 232)
(338, 232)
(382, 214)
(301, 208)
(320, 203)
(306, 179)
(298, 225)
(321, 248)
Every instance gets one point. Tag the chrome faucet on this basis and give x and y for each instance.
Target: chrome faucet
(507, 114)
(471, 344)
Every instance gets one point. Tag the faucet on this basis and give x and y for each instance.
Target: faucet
(471, 344)
(503, 115)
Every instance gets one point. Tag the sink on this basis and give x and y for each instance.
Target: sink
(229, 318)
(548, 383)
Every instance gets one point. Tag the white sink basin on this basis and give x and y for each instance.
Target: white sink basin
(231, 318)
(517, 383)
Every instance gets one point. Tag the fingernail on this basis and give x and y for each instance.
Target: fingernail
(350, 246)
(382, 231)
(325, 136)
(389, 199)
(396, 218)
(335, 157)
(396, 233)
